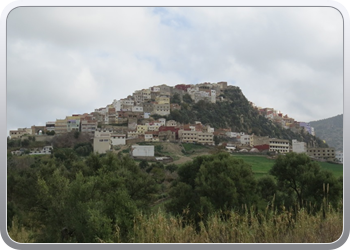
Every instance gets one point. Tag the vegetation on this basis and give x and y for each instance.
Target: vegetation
(212, 183)
(70, 197)
(304, 181)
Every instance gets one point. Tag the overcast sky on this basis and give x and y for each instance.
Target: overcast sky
(71, 60)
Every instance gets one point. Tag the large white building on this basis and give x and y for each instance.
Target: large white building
(142, 151)
(279, 145)
(298, 147)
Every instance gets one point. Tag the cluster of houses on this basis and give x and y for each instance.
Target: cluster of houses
(284, 121)
(156, 131)
(254, 143)
(129, 121)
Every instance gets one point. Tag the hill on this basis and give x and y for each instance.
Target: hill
(330, 130)
(234, 112)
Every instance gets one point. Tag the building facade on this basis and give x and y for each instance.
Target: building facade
(279, 145)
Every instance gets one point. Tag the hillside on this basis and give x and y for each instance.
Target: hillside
(330, 130)
(235, 112)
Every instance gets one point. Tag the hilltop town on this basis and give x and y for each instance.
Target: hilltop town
(143, 117)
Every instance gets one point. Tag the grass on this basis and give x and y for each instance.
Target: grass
(337, 169)
(261, 165)
(193, 147)
(265, 227)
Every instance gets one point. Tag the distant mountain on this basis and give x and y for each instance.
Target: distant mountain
(330, 130)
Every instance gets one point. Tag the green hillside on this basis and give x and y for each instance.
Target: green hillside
(330, 130)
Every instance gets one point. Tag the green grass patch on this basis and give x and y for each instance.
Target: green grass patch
(190, 147)
(336, 169)
(261, 165)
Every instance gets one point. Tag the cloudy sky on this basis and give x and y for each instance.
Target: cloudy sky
(71, 60)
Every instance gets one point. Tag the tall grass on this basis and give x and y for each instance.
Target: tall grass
(269, 226)
(20, 234)
(249, 227)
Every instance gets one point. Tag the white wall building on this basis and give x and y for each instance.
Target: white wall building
(279, 145)
(339, 156)
(118, 139)
(142, 151)
(117, 105)
(298, 147)
(213, 96)
(245, 140)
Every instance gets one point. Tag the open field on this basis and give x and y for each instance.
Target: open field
(261, 165)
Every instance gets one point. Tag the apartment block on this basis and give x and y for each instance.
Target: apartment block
(279, 145)
(322, 153)
(161, 109)
(205, 138)
(188, 136)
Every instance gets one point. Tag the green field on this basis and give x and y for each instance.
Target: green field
(189, 147)
(261, 165)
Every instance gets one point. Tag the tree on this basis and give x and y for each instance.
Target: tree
(211, 183)
(298, 174)
(175, 99)
(25, 143)
(187, 98)
(62, 205)
(83, 149)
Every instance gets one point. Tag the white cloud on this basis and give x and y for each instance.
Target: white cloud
(79, 59)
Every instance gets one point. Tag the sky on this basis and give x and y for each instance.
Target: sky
(72, 60)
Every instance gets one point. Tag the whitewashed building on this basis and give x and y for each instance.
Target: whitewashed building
(298, 147)
(142, 151)
(118, 139)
